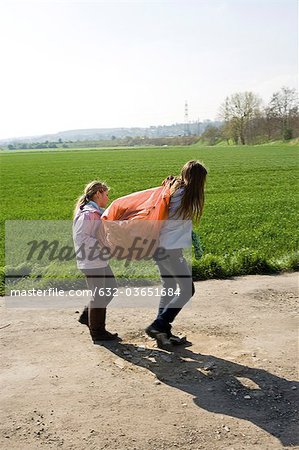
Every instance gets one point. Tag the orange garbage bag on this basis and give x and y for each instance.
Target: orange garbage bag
(151, 204)
(132, 223)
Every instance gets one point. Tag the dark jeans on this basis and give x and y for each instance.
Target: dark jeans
(102, 283)
(175, 274)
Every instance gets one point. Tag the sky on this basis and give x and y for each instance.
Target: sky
(98, 64)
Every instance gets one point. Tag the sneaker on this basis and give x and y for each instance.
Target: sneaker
(176, 340)
(161, 337)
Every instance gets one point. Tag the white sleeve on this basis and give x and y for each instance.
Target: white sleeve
(84, 231)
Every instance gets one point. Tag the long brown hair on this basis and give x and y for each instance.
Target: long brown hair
(192, 179)
(89, 191)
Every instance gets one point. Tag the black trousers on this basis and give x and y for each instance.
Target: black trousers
(102, 283)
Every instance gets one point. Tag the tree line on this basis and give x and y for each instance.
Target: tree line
(128, 141)
(246, 120)
(37, 145)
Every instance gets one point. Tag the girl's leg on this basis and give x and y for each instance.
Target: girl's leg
(100, 281)
(178, 268)
(168, 287)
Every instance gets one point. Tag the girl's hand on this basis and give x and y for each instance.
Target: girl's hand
(167, 180)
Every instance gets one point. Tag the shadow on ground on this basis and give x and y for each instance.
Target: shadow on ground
(224, 387)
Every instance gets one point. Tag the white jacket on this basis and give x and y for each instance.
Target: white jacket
(86, 227)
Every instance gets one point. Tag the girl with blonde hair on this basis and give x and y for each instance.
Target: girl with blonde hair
(99, 276)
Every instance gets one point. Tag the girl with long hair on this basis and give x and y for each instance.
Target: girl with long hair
(186, 205)
(99, 276)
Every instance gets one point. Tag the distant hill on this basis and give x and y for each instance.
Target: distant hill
(178, 129)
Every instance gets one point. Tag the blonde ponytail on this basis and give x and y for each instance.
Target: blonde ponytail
(90, 190)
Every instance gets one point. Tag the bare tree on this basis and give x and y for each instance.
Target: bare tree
(237, 111)
(212, 135)
(283, 108)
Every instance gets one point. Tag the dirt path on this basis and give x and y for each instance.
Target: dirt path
(233, 389)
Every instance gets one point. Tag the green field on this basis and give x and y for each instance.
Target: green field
(250, 219)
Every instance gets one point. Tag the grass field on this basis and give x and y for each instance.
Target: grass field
(250, 219)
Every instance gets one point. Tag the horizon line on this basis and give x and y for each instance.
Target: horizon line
(104, 128)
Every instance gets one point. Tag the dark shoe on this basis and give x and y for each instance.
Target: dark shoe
(177, 340)
(103, 336)
(84, 317)
(161, 337)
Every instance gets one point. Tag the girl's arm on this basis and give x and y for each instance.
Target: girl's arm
(84, 229)
(167, 180)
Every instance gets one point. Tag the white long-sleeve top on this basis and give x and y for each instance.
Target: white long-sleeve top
(86, 226)
(175, 232)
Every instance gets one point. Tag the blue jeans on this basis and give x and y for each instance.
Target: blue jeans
(175, 274)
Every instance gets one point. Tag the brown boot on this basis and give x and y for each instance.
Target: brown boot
(84, 316)
(97, 321)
